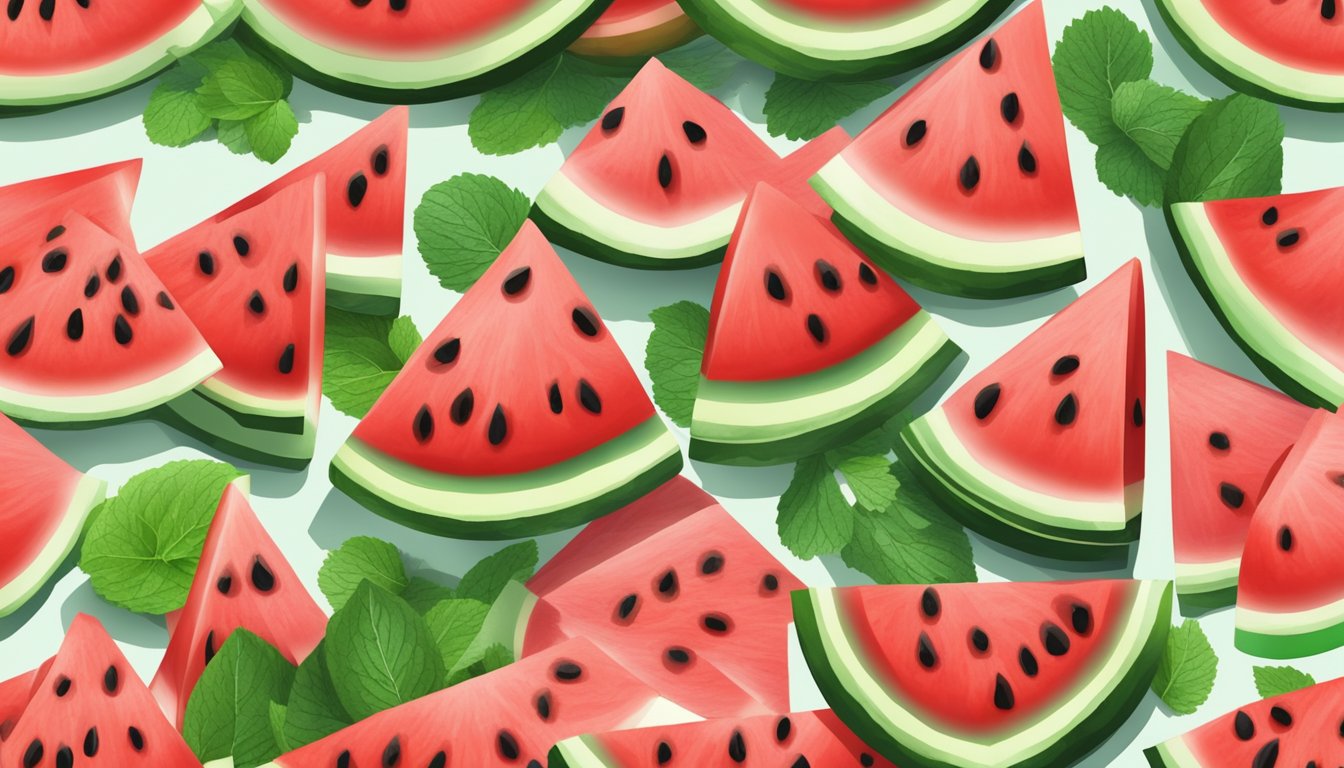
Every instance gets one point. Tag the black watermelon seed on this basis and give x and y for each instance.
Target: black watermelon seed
(801, 762)
(392, 753)
(556, 400)
(256, 303)
(1281, 716)
(33, 755)
(1288, 238)
(928, 656)
(664, 753)
(1286, 539)
(206, 261)
(989, 55)
(979, 639)
(448, 351)
(1220, 440)
(356, 189)
(830, 279)
(1270, 217)
(55, 261)
(286, 364)
(241, 245)
(74, 325)
(678, 656)
(224, 584)
(530, 763)
(262, 578)
(627, 606)
(1244, 726)
(1010, 108)
(1138, 412)
(517, 281)
(1056, 642)
(1231, 495)
(343, 759)
(380, 161)
(55, 232)
(1341, 728)
(210, 646)
(440, 760)
(817, 328)
(65, 758)
(1003, 693)
(164, 300)
(588, 397)
(7, 279)
(969, 175)
(137, 738)
(916, 132)
(667, 585)
(91, 742)
(866, 760)
(585, 321)
(929, 603)
(770, 582)
(22, 337)
(46, 9)
(1065, 365)
(499, 426)
(544, 705)
(92, 286)
(15, 7)
(1025, 159)
(110, 679)
(1328, 9)
(694, 132)
(737, 747)
(62, 686)
(462, 406)
(986, 399)
(783, 728)
(423, 424)
(711, 565)
(664, 171)
(1027, 660)
(1267, 756)
(866, 274)
(774, 285)
(1067, 411)
(715, 623)
(612, 120)
(291, 279)
(1081, 618)
(114, 269)
(129, 301)
(508, 745)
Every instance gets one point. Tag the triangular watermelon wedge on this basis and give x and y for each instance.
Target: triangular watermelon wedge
(1290, 590)
(518, 415)
(1021, 674)
(102, 194)
(1221, 461)
(242, 580)
(90, 703)
(963, 185)
(809, 345)
(254, 284)
(14, 695)
(46, 503)
(1268, 268)
(1043, 449)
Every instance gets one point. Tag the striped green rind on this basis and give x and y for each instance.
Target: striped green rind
(1204, 587)
(1290, 635)
(1172, 754)
(249, 438)
(572, 220)
(580, 752)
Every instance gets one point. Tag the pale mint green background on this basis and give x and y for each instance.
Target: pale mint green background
(181, 186)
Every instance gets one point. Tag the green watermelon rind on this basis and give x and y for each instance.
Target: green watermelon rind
(811, 49)
(942, 261)
(580, 752)
(1124, 676)
(1000, 510)
(563, 495)
(1204, 587)
(225, 429)
(1243, 69)
(89, 492)
(1172, 754)
(418, 81)
(1290, 635)
(368, 285)
(1287, 362)
(785, 420)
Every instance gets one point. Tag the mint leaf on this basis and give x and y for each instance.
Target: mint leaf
(404, 338)
(454, 624)
(271, 131)
(1127, 172)
(423, 594)
(912, 541)
(672, 357)
(1187, 669)
(237, 89)
(379, 653)
(803, 109)
(360, 361)
(1154, 117)
(313, 711)
(1276, 681)
(1097, 53)
(814, 518)
(704, 62)
(228, 713)
(359, 559)
(141, 550)
(870, 478)
(173, 117)
(233, 135)
(464, 223)
(879, 442)
(215, 55)
(276, 712)
(533, 110)
(487, 578)
(496, 656)
(1233, 149)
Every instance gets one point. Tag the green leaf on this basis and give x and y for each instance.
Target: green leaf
(803, 109)
(359, 559)
(1187, 669)
(380, 653)
(277, 712)
(879, 442)
(454, 624)
(173, 117)
(814, 518)
(228, 713)
(464, 223)
(1276, 681)
(704, 62)
(360, 361)
(487, 578)
(271, 131)
(423, 594)
(496, 656)
(1097, 53)
(1154, 117)
(141, 551)
(533, 110)
(672, 357)
(1127, 172)
(404, 338)
(313, 711)
(215, 55)
(238, 89)
(1233, 149)
(870, 479)
(912, 542)
(233, 135)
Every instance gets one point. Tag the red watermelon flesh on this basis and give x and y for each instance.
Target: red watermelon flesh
(102, 194)
(760, 333)
(91, 701)
(414, 28)
(1296, 33)
(74, 36)
(242, 580)
(1021, 186)
(490, 407)
(633, 27)
(14, 695)
(803, 163)
(509, 717)
(678, 592)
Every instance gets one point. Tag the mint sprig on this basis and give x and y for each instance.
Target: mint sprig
(805, 109)
(364, 354)
(464, 223)
(229, 712)
(1186, 672)
(1276, 681)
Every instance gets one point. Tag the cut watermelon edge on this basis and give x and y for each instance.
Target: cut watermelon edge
(624, 51)
(553, 498)
(1172, 754)
(941, 261)
(1071, 729)
(1203, 587)
(369, 285)
(213, 424)
(89, 493)
(1291, 365)
(1243, 68)
(1290, 634)
(774, 422)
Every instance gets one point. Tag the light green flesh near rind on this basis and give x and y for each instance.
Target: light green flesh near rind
(580, 752)
(1172, 754)
(1245, 68)
(944, 261)
(369, 285)
(89, 493)
(217, 425)
(1290, 635)
(503, 506)
(204, 24)
(88, 409)
(1284, 358)
(1077, 720)
(1204, 587)
(261, 409)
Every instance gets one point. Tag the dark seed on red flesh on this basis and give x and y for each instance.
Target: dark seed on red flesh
(380, 161)
(46, 9)
(737, 747)
(55, 260)
(286, 364)
(770, 582)
(33, 755)
(783, 728)
(121, 331)
(711, 564)
(1138, 413)
(129, 301)
(585, 321)
(612, 120)
(1281, 716)
(291, 280)
(1328, 9)
(1067, 411)
(1027, 660)
(517, 281)
(969, 175)
(866, 760)
(164, 300)
(694, 132)
(986, 399)
(979, 639)
(715, 624)
(440, 760)
(830, 279)
(256, 303)
(74, 325)
(91, 742)
(567, 671)
(1025, 159)
(544, 705)
(137, 738)
(1056, 642)
(531, 763)
(1003, 694)
(423, 425)
(55, 232)
(392, 753)
(929, 603)
(343, 759)
(1268, 755)
(817, 328)
(678, 656)
(1081, 618)
(1010, 108)
(14, 8)
(664, 172)
(357, 189)
(555, 398)
(664, 753)
(206, 261)
(62, 686)
(989, 54)
(7, 279)
(499, 426)
(448, 351)
(91, 287)
(801, 762)
(916, 132)
(21, 337)
(1288, 238)
(463, 404)
(1270, 217)
(589, 398)
(224, 584)
(1286, 539)
(774, 285)
(508, 745)
(1065, 365)
(262, 578)
(1220, 440)
(1244, 726)
(928, 656)
(1231, 495)
(241, 245)
(110, 680)
(867, 275)
(627, 606)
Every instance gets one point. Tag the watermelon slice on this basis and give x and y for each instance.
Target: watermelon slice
(90, 702)
(678, 593)
(969, 675)
(844, 39)
(46, 503)
(1301, 728)
(103, 195)
(1025, 454)
(1226, 436)
(518, 415)
(629, 29)
(14, 695)
(90, 334)
(963, 185)
(254, 284)
(1258, 262)
(1289, 592)
(511, 716)
(809, 346)
(1291, 52)
(402, 51)
(242, 580)
(54, 53)
(798, 740)
(366, 201)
